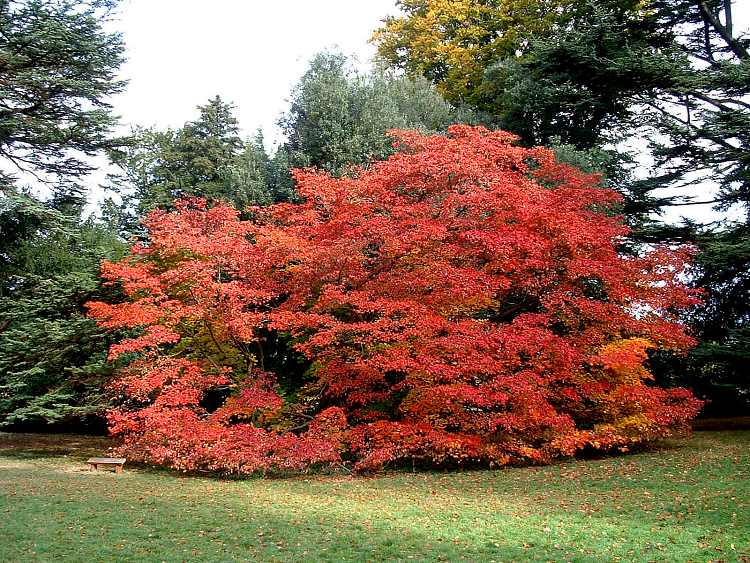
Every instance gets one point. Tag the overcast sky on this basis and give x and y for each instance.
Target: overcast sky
(183, 52)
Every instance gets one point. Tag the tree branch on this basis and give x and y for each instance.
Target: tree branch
(684, 203)
(728, 16)
(720, 104)
(725, 32)
(701, 133)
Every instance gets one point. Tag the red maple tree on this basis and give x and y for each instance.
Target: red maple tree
(462, 303)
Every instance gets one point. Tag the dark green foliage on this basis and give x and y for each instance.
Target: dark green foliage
(705, 113)
(672, 74)
(340, 118)
(718, 367)
(57, 66)
(250, 173)
(706, 119)
(577, 85)
(205, 158)
(585, 87)
(52, 358)
(280, 180)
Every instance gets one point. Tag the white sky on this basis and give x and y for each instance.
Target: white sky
(183, 52)
(250, 52)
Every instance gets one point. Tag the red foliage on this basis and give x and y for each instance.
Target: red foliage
(463, 302)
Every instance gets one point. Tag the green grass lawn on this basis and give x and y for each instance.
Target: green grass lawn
(688, 501)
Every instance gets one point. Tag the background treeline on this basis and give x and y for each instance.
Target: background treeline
(602, 82)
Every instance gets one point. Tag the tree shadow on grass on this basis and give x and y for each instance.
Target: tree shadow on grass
(30, 446)
(220, 525)
(208, 521)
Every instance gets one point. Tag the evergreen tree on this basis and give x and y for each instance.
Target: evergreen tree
(205, 158)
(674, 74)
(52, 357)
(717, 367)
(339, 118)
(58, 68)
(250, 171)
(280, 181)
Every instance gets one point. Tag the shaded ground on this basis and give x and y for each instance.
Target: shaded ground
(74, 446)
(734, 423)
(688, 501)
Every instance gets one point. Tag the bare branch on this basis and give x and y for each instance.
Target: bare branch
(701, 133)
(734, 45)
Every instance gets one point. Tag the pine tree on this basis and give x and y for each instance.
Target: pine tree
(205, 158)
(52, 358)
(58, 69)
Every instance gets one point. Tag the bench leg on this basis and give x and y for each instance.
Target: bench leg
(118, 469)
(95, 467)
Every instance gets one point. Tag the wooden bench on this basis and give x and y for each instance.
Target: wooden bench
(116, 462)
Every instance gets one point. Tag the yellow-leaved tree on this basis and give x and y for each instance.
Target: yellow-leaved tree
(453, 42)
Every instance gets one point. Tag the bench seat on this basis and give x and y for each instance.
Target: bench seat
(116, 462)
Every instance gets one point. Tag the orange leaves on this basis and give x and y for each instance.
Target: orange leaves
(136, 277)
(623, 360)
(130, 315)
(248, 403)
(462, 303)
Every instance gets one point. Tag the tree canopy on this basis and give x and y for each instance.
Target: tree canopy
(339, 118)
(52, 358)
(204, 158)
(594, 73)
(461, 303)
(460, 296)
(668, 77)
(58, 68)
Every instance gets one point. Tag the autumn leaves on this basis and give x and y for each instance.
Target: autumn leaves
(461, 303)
